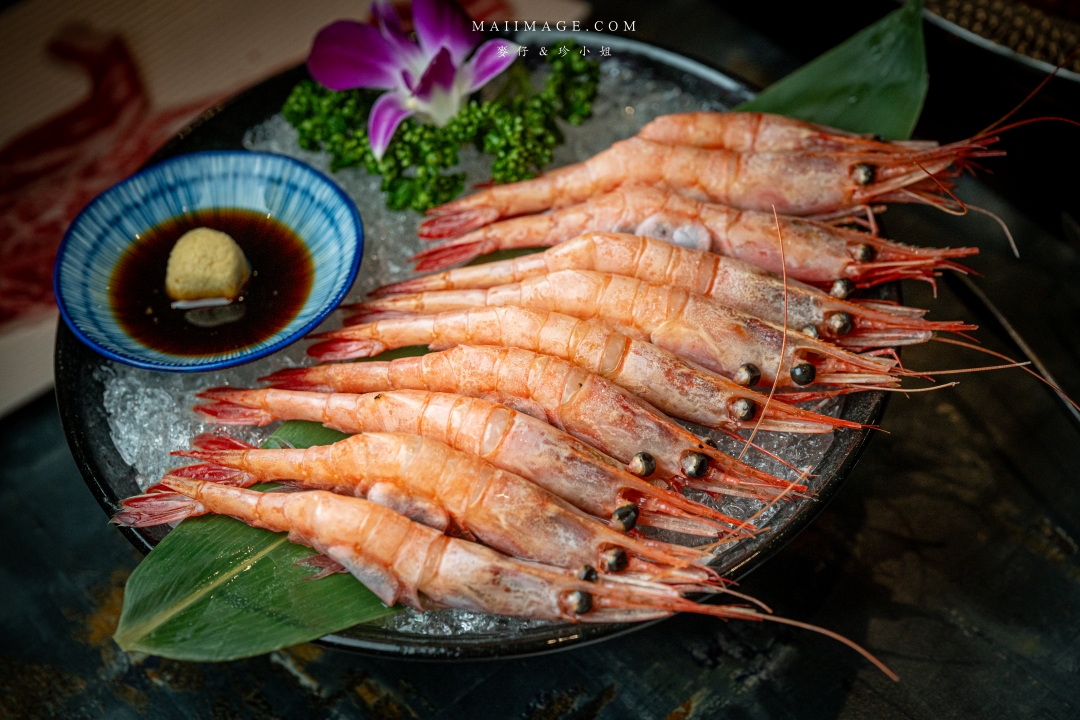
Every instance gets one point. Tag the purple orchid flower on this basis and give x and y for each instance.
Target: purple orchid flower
(429, 79)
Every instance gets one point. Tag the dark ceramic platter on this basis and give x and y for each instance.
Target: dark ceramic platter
(80, 396)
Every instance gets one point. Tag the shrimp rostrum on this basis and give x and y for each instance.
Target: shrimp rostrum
(402, 561)
(819, 253)
(451, 491)
(730, 282)
(795, 183)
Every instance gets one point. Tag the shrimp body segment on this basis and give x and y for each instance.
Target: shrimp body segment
(730, 282)
(795, 183)
(765, 132)
(657, 376)
(688, 324)
(402, 561)
(449, 490)
(815, 252)
(512, 441)
(585, 405)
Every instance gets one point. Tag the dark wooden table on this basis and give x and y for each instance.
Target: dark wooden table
(950, 553)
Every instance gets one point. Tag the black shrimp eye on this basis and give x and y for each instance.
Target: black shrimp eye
(587, 574)
(803, 373)
(643, 464)
(840, 323)
(614, 560)
(841, 288)
(864, 173)
(694, 464)
(878, 138)
(625, 517)
(864, 252)
(747, 375)
(711, 443)
(580, 602)
(743, 409)
(811, 331)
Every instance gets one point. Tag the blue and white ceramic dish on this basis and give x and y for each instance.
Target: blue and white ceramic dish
(294, 194)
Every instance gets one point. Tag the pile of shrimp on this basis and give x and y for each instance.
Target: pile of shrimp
(512, 469)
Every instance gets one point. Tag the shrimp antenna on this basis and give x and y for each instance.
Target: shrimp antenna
(965, 208)
(977, 301)
(751, 614)
(1038, 88)
(1022, 365)
(767, 453)
(783, 342)
(984, 211)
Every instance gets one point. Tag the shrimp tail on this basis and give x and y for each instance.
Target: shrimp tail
(210, 471)
(362, 314)
(412, 285)
(313, 378)
(449, 222)
(329, 350)
(447, 254)
(214, 441)
(156, 508)
(228, 408)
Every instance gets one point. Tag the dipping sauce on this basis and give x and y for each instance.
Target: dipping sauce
(282, 273)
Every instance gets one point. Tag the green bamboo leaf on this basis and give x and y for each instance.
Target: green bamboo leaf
(873, 82)
(303, 434)
(217, 589)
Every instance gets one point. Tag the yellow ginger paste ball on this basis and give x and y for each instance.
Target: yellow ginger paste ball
(206, 263)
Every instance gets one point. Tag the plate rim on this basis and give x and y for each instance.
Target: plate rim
(244, 358)
(404, 646)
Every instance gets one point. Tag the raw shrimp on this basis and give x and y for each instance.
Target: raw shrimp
(817, 253)
(592, 409)
(795, 183)
(461, 494)
(730, 282)
(690, 325)
(402, 561)
(765, 132)
(512, 441)
(657, 376)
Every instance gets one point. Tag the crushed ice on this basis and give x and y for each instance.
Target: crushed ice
(150, 412)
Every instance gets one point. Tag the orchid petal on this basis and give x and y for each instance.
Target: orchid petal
(386, 114)
(408, 53)
(443, 24)
(348, 55)
(488, 62)
(440, 73)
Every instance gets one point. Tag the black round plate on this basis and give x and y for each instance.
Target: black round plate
(79, 396)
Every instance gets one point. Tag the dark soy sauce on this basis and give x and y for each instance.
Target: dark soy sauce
(281, 279)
